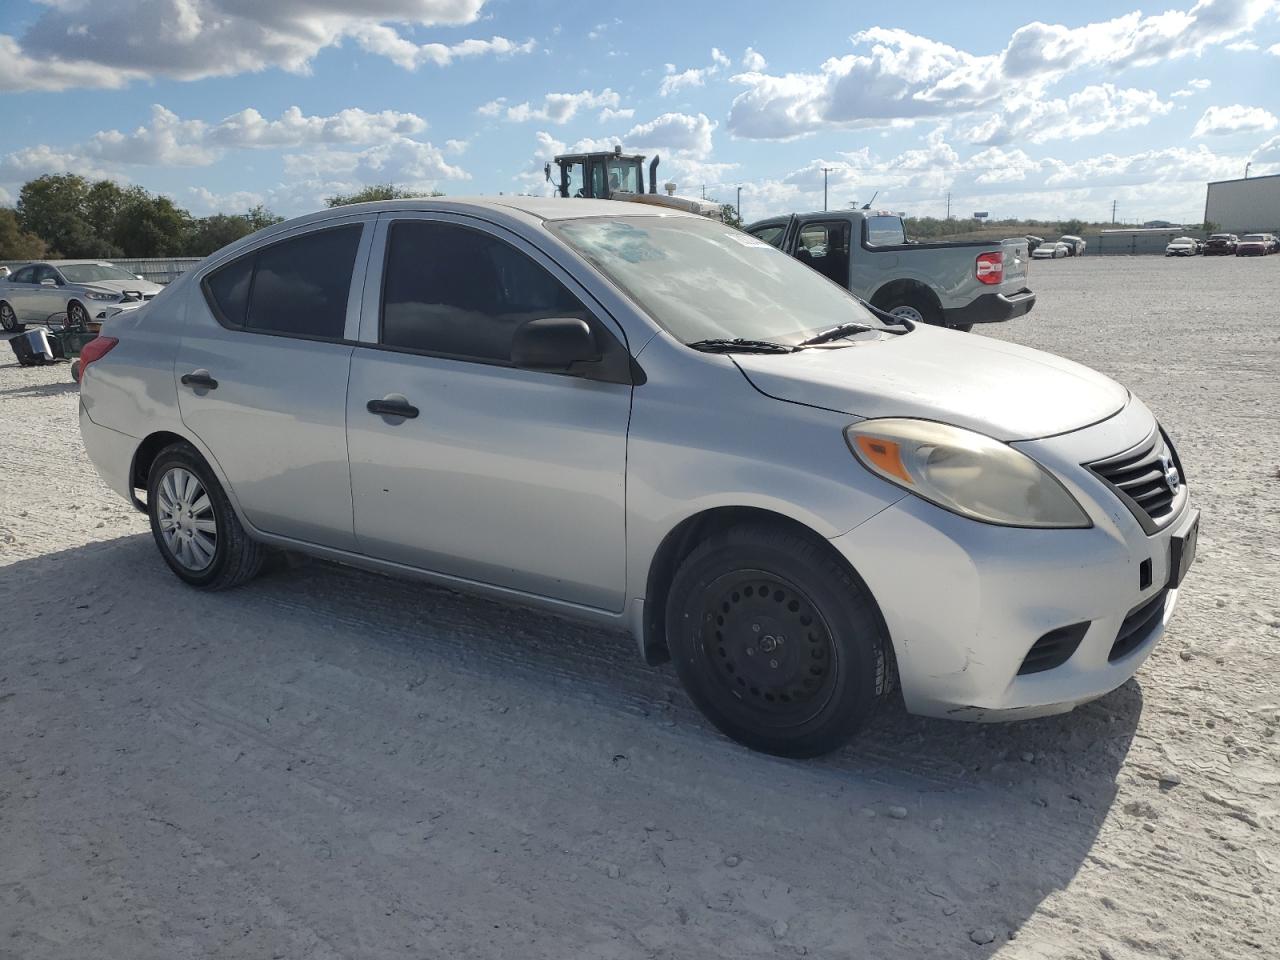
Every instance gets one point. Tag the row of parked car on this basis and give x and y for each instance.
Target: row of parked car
(1224, 245)
(1066, 246)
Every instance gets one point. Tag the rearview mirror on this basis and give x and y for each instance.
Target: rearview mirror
(48, 282)
(553, 343)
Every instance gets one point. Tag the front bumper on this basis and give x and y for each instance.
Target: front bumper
(964, 602)
(991, 308)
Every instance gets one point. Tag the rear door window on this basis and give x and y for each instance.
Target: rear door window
(885, 232)
(297, 287)
(457, 292)
(825, 247)
(25, 275)
(771, 235)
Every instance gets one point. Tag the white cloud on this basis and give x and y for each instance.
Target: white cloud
(249, 128)
(1269, 152)
(1031, 118)
(456, 146)
(1192, 88)
(1243, 46)
(900, 75)
(677, 80)
(35, 161)
(79, 44)
(752, 60)
(1234, 119)
(387, 42)
(401, 161)
(674, 131)
(555, 107)
(609, 113)
(1274, 49)
(204, 201)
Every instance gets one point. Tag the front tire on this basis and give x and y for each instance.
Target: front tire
(775, 640)
(194, 525)
(77, 315)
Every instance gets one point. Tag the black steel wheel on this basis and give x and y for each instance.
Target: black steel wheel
(776, 640)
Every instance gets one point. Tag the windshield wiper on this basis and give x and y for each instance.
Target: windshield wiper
(740, 345)
(836, 333)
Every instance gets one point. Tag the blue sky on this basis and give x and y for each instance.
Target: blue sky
(222, 104)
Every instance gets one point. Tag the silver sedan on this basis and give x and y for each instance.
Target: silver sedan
(82, 289)
(663, 425)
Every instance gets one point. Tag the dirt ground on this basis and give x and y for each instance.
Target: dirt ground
(329, 764)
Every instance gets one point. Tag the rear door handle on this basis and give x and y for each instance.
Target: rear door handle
(199, 378)
(392, 405)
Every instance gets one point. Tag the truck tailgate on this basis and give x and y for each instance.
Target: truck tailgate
(1016, 262)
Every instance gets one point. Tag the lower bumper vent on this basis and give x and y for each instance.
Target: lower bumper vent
(1138, 626)
(1053, 649)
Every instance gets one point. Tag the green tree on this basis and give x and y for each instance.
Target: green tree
(729, 214)
(1072, 227)
(54, 208)
(16, 243)
(213, 233)
(152, 227)
(378, 191)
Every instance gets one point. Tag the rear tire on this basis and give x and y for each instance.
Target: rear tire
(777, 643)
(194, 525)
(913, 308)
(9, 319)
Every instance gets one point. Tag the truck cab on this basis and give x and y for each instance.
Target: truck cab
(953, 284)
(600, 175)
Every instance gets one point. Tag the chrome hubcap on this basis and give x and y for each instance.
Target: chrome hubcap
(7, 317)
(187, 521)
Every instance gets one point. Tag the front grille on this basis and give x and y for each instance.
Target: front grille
(1138, 626)
(1053, 649)
(1148, 478)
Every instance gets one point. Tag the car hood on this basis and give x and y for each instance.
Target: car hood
(121, 286)
(1000, 389)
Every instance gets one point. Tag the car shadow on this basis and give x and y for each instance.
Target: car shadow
(42, 390)
(922, 837)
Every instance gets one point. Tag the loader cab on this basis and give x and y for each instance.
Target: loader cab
(600, 175)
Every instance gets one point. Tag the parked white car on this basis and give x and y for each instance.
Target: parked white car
(1050, 250)
(82, 289)
(1075, 245)
(657, 423)
(1182, 247)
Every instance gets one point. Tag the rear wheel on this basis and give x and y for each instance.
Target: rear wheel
(775, 641)
(9, 319)
(912, 307)
(194, 525)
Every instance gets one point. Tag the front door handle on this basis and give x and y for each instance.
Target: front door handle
(392, 405)
(199, 378)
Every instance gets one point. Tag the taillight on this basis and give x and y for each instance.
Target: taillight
(95, 349)
(990, 267)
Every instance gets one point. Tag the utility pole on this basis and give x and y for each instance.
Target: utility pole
(1113, 211)
(704, 191)
(948, 204)
(1246, 169)
(825, 171)
(739, 204)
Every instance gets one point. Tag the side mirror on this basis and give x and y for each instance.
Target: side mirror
(553, 343)
(138, 276)
(48, 282)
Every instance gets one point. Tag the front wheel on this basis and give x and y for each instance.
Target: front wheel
(9, 319)
(194, 525)
(776, 642)
(77, 315)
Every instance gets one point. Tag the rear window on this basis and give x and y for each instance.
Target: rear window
(771, 235)
(885, 232)
(297, 287)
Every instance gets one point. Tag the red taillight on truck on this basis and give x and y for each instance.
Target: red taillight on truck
(990, 268)
(95, 349)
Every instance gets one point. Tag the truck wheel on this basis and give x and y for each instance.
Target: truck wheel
(914, 309)
(775, 641)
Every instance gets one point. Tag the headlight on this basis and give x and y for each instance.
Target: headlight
(965, 472)
(102, 296)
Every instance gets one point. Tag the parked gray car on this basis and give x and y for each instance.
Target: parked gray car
(82, 289)
(658, 423)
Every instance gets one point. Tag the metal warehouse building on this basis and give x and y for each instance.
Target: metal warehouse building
(1244, 206)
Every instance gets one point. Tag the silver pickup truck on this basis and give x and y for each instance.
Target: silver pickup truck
(953, 284)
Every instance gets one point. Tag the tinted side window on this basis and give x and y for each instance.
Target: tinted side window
(456, 291)
(300, 286)
(885, 232)
(228, 288)
(46, 273)
(771, 235)
(25, 275)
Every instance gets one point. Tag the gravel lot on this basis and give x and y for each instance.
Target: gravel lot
(329, 764)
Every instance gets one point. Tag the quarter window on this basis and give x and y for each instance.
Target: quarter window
(25, 275)
(771, 235)
(456, 291)
(297, 287)
(885, 232)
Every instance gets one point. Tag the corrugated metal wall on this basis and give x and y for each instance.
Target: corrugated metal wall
(1143, 242)
(157, 270)
(1245, 206)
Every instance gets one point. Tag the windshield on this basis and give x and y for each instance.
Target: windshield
(89, 272)
(625, 175)
(1255, 237)
(702, 280)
